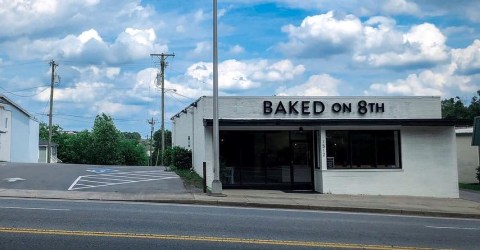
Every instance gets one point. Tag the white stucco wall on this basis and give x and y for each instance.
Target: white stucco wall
(428, 154)
(5, 135)
(467, 158)
(23, 135)
(428, 168)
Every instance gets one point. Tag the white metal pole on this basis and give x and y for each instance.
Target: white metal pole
(216, 183)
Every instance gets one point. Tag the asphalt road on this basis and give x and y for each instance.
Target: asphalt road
(59, 224)
(62, 177)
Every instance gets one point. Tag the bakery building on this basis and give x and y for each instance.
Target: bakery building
(338, 145)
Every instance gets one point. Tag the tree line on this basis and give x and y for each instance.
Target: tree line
(103, 145)
(455, 108)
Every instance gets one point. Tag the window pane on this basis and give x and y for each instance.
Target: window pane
(277, 158)
(338, 152)
(363, 149)
(386, 149)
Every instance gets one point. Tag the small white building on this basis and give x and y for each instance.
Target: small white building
(468, 156)
(338, 145)
(43, 152)
(19, 132)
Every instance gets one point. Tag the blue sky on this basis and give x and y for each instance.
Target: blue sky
(266, 47)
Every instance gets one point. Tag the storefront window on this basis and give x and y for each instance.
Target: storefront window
(363, 149)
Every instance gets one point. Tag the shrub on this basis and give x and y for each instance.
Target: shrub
(178, 157)
(478, 174)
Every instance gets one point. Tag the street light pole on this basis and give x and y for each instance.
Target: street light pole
(216, 183)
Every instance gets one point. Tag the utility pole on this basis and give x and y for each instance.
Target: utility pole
(49, 149)
(163, 65)
(152, 124)
(216, 183)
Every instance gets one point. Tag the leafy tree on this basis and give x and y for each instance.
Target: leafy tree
(105, 141)
(78, 148)
(157, 145)
(132, 153)
(454, 108)
(132, 135)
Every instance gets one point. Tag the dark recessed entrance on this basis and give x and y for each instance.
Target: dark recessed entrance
(267, 159)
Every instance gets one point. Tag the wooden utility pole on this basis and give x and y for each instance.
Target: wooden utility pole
(52, 82)
(163, 65)
(152, 124)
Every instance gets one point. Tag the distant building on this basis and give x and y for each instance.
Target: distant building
(19, 132)
(467, 156)
(43, 152)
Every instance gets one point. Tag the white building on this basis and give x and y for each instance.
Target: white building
(18, 133)
(338, 145)
(468, 158)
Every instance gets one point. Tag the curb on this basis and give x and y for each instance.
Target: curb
(270, 205)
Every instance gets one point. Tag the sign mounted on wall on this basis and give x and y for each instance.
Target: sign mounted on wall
(318, 107)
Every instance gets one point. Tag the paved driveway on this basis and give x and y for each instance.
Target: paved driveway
(63, 177)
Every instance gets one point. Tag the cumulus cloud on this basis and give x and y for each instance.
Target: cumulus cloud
(322, 35)
(88, 46)
(440, 82)
(81, 92)
(377, 42)
(235, 74)
(236, 49)
(25, 17)
(400, 7)
(316, 85)
(468, 59)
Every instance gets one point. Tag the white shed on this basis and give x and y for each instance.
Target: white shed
(19, 132)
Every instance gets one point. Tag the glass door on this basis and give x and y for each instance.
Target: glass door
(302, 164)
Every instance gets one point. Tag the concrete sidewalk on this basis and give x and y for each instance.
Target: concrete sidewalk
(459, 208)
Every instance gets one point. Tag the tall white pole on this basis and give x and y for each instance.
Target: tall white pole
(216, 183)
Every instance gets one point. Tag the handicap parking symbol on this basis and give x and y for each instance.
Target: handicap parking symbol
(100, 170)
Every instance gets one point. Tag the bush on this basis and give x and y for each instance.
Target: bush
(178, 157)
(478, 174)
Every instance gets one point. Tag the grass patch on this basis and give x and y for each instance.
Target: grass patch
(471, 186)
(190, 177)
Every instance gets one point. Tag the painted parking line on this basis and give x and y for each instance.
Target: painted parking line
(119, 178)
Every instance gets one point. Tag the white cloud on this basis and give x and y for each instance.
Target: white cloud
(322, 35)
(441, 82)
(316, 85)
(236, 49)
(89, 46)
(377, 42)
(82, 92)
(202, 49)
(235, 74)
(468, 59)
(423, 45)
(400, 7)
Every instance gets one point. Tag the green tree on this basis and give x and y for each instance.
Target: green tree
(454, 108)
(157, 145)
(105, 141)
(132, 153)
(132, 135)
(78, 148)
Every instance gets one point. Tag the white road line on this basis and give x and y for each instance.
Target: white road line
(109, 178)
(156, 171)
(111, 184)
(37, 208)
(457, 228)
(146, 174)
(74, 183)
(96, 181)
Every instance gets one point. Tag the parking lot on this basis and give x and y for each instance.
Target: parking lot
(63, 177)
